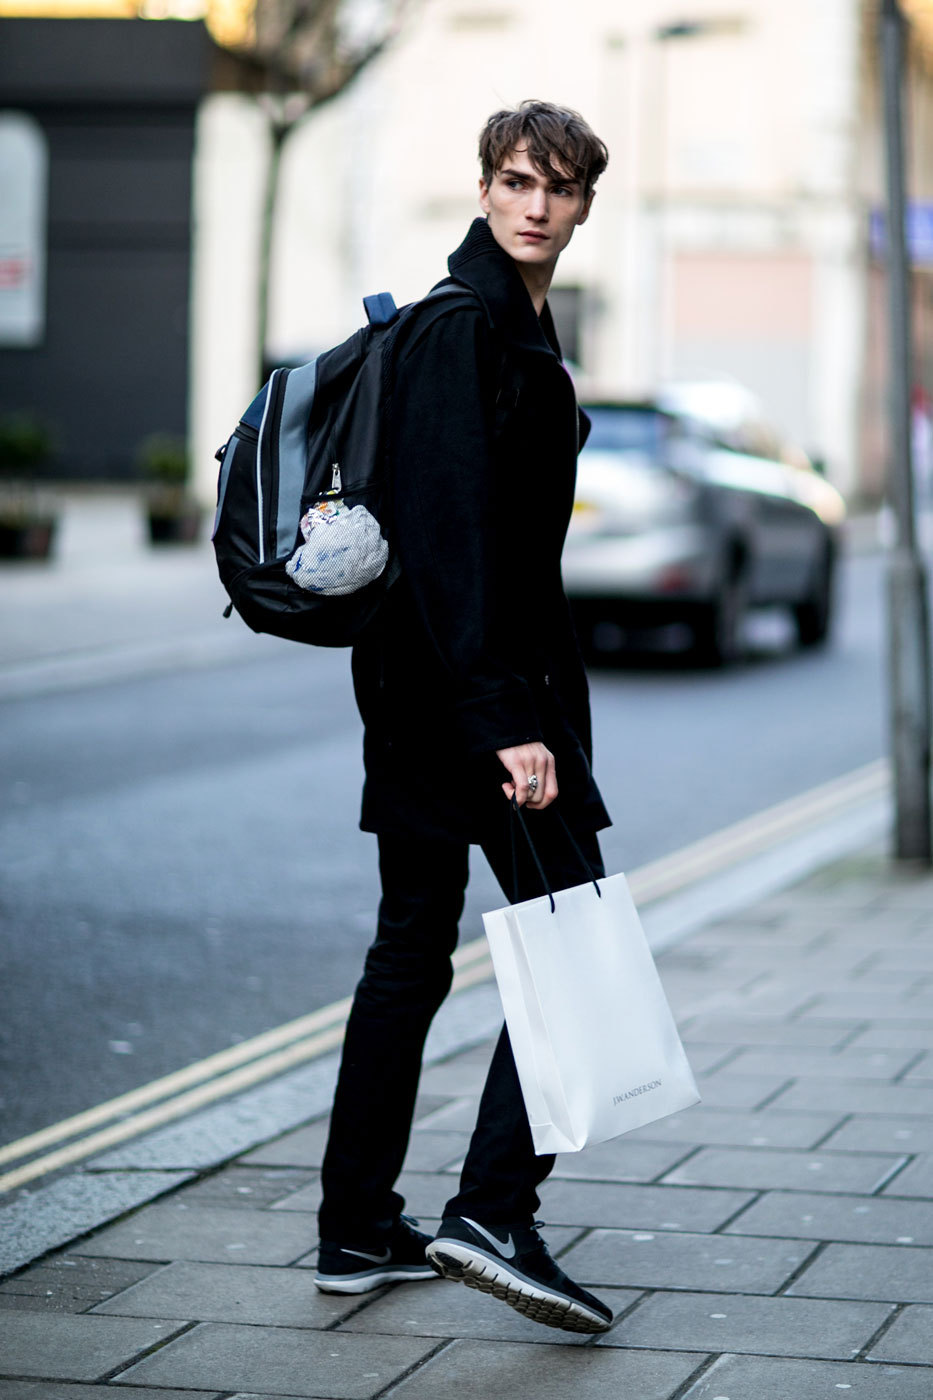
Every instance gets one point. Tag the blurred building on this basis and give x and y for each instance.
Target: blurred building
(97, 130)
(732, 232)
(736, 232)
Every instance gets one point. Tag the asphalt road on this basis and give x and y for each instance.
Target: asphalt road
(180, 866)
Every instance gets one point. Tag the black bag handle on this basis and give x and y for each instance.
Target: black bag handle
(519, 815)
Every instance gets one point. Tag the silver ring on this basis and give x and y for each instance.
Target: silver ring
(533, 784)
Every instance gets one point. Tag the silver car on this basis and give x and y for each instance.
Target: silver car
(674, 522)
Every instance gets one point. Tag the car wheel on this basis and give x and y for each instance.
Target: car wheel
(719, 628)
(813, 616)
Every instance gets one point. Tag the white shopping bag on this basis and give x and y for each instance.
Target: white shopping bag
(594, 1041)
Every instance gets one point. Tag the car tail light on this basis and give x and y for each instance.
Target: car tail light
(674, 579)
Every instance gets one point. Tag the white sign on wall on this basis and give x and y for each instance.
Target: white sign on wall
(23, 192)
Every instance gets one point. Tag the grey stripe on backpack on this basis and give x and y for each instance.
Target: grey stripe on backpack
(293, 453)
(226, 464)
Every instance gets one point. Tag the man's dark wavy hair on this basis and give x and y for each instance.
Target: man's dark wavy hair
(548, 133)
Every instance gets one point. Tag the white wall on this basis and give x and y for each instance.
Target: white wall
(230, 158)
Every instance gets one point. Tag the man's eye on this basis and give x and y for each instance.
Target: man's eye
(562, 189)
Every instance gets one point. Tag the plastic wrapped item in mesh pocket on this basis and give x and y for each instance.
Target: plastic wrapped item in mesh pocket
(343, 550)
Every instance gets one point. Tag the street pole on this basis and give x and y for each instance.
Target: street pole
(908, 620)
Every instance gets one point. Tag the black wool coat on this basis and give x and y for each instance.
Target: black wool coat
(474, 649)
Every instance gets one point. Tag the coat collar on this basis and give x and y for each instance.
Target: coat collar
(480, 264)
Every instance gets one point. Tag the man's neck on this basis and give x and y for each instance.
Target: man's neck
(537, 280)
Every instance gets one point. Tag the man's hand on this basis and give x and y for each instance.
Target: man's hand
(522, 762)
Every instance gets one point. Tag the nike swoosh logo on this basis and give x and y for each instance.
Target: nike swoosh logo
(506, 1248)
(373, 1258)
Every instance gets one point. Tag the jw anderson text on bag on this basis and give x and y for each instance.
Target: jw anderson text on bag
(595, 1044)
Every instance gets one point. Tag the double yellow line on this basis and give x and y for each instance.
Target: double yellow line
(242, 1066)
(228, 1072)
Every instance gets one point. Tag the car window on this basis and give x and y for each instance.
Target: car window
(634, 429)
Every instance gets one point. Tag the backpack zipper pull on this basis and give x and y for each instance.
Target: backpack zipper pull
(335, 478)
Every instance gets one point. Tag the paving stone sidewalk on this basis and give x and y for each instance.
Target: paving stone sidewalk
(773, 1243)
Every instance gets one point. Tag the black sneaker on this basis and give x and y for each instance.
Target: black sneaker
(512, 1263)
(397, 1257)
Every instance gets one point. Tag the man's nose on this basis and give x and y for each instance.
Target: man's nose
(537, 204)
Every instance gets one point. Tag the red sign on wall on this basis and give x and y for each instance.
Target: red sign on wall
(23, 179)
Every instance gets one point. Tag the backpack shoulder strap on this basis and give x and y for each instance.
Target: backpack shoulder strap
(507, 394)
(449, 289)
(445, 291)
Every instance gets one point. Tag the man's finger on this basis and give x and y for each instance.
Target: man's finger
(547, 786)
(523, 762)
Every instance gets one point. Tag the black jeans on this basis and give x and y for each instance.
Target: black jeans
(407, 975)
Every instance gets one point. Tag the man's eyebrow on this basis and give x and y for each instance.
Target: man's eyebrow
(509, 172)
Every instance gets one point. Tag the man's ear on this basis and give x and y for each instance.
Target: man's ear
(483, 195)
(587, 206)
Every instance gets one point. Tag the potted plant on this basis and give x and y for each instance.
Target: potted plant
(173, 513)
(27, 514)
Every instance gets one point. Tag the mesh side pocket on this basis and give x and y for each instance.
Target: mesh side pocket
(343, 552)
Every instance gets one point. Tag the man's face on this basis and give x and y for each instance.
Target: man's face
(531, 215)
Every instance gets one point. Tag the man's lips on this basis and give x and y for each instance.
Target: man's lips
(533, 235)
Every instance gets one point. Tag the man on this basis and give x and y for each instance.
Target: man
(472, 693)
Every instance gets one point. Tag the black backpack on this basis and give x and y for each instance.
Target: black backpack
(312, 435)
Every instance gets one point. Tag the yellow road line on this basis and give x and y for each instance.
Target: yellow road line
(241, 1066)
(220, 1063)
(753, 835)
(243, 1078)
(232, 1083)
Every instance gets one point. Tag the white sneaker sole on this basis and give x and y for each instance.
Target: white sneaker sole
(365, 1282)
(466, 1264)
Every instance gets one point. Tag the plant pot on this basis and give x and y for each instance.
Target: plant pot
(27, 539)
(182, 526)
